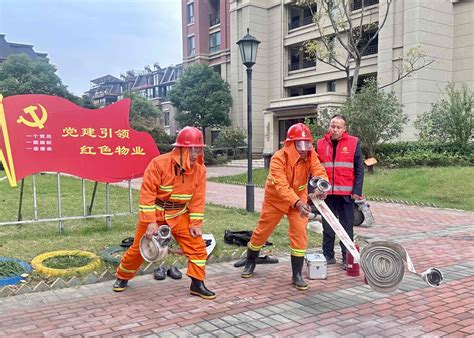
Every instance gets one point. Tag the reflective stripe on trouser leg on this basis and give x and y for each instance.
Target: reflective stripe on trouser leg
(269, 219)
(297, 233)
(132, 259)
(194, 248)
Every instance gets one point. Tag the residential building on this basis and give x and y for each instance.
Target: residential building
(153, 84)
(287, 87)
(206, 34)
(206, 39)
(9, 48)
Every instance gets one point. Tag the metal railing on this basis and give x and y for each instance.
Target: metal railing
(357, 4)
(371, 50)
(301, 65)
(300, 23)
(214, 49)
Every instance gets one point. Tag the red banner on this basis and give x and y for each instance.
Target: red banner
(48, 133)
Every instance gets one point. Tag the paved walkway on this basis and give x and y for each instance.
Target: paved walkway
(267, 304)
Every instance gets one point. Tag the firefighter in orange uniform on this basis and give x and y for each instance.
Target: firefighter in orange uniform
(286, 194)
(173, 193)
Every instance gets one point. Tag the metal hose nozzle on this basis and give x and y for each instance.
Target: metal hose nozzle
(320, 184)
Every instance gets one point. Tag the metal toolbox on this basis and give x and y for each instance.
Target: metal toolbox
(316, 265)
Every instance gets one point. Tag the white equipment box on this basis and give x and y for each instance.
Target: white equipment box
(316, 265)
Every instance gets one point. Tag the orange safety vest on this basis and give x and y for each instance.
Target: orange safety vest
(341, 170)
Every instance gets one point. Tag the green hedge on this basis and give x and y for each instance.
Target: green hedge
(409, 154)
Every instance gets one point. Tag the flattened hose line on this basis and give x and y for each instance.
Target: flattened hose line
(382, 262)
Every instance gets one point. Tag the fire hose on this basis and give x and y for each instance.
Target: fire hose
(382, 262)
(156, 248)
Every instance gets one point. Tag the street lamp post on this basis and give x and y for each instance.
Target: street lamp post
(248, 51)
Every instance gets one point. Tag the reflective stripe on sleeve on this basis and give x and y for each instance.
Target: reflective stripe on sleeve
(196, 215)
(146, 208)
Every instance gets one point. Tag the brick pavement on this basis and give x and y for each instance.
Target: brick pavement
(267, 304)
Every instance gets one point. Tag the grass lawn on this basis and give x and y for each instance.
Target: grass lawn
(449, 187)
(28, 240)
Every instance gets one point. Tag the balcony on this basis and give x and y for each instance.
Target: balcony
(371, 50)
(357, 4)
(300, 22)
(301, 65)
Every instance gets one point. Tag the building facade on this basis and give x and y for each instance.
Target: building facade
(206, 34)
(153, 84)
(9, 48)
(287, 87)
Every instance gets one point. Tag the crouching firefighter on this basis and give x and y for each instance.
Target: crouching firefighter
(286, 194)
(173, 193)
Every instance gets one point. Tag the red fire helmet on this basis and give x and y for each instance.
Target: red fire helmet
(299, 132)
(189, 137)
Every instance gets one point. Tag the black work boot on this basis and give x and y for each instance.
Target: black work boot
(120, 285)
(174, 273)
(250, 263)
(297, 267)
(159, 273)
(199, 289)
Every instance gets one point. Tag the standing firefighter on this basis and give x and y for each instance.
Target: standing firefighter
(173, 192)
(286, 194)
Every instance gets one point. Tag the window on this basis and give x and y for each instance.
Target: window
(298, 59)
(214, 42)
(191, 46)
(214, 136)
(167, 118)
(217, 69)
(302, 90)
(190, 12)
(214, 9)
(331, 86)
(373, 46)
(300, 16)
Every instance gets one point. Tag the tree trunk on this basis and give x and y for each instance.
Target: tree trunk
(355, 76)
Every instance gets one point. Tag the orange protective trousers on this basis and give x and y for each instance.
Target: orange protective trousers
(269, 219)
(194, 248)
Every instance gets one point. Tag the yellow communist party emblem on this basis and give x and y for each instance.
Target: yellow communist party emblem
(33, 120)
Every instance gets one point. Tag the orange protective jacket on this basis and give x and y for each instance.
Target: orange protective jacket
(287, 181)
(169, 177)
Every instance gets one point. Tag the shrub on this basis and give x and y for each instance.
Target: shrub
(231, 138)
(160, 136)
(451, 118)
(407, 154)
(165, 148)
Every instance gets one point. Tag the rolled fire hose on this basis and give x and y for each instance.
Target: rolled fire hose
(156, 248)
(381, 261)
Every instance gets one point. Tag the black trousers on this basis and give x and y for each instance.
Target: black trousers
(343, 209)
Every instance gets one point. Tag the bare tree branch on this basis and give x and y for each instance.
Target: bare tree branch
(400, 76)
